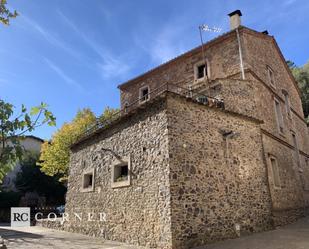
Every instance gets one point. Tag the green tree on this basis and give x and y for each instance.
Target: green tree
(301, 75)
(55, 155)
(5, 13)
(32, 179)
(108, 114)
(14, 126)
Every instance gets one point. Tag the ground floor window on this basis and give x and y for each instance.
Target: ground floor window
(121, 172)
(88, 181)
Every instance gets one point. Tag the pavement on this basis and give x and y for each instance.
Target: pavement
(44, 238)
(293, 236)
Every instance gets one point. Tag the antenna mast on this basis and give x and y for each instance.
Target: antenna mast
(205, 27)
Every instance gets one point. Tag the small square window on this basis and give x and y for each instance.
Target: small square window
(144, 94)
(88, 181)
(200, 71)
(121, 173)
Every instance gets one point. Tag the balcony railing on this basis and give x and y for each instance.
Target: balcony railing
(168, 87)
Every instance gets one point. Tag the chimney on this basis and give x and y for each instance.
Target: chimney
(235, 20)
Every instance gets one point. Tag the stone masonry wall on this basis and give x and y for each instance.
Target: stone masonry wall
(140, 213)
(199, 173)
(260, 52)
(287, 199)
(238, 95)
(257, 100)
(222, 60)
(216, 182)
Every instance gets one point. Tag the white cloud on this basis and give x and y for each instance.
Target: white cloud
(110, 64)
(50, 37)
(112, 67)
(165, 44)
(68, 80)
(92, 44)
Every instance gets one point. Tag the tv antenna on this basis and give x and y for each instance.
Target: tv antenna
(206, 28)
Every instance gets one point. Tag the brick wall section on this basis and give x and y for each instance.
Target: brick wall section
(138, 214)
(214, 185)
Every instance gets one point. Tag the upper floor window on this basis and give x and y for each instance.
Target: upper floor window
(296, 149)
(279, 116)
(126, 106)
(287, 102)
(144, 94)
(200, 70)
(271, 76)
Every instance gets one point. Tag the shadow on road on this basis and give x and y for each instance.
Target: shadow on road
(8, 234)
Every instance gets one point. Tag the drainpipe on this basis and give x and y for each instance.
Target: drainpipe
(240, 56)
(235, 22)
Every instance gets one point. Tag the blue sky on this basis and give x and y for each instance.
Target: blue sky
(72, 54)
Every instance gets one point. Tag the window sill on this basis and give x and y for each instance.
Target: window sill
(87, 190)
(143, 101)
(121, 184)
(200, 79)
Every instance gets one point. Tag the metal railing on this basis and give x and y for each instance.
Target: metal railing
(164, 88)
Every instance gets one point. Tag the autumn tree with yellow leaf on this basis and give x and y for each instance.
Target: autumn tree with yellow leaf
(55, 155)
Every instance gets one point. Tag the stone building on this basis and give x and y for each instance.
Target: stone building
(208, 146)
